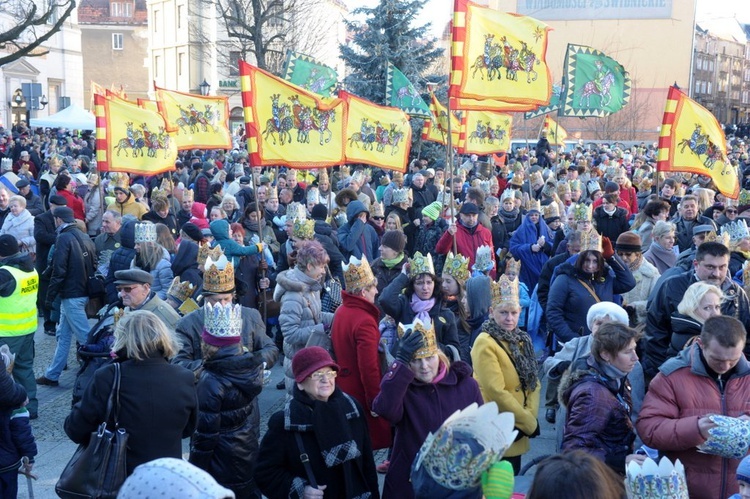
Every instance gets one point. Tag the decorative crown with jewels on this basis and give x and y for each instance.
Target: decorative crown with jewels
(505, 290)
(563, 188)
(427, 330)
(591, 241)
(303, 229)
(180, 290)
(218, 275)
(712, 237)
(737, 230)
(744, 197)
(536, 178)
(357, 273)
(296, 211)
(205, 251)
(119, 179)
(582, 213)
(159, 193)
(313, 195)
(513, 266)
(484, 259)
(652, 481)
(421, 264)
(551, 211)
(188, 195)
(548, 190)
(400, 196)
(457, 266)
(575, 185)
(222, 320)
(533, 205)
(145, 232)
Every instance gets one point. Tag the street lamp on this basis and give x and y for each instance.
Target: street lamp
(18, 105)
(205, 87)
(43, 102)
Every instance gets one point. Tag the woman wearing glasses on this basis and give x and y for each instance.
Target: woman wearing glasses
(324, 424)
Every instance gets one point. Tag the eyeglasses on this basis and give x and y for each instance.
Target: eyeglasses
(730, 211)
(126, 289)
(328, 375)
(378, 218)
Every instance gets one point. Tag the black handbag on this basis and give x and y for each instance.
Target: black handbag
(98, 469)
(331, 298)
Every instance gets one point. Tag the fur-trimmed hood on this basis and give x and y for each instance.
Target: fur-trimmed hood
(296, 281)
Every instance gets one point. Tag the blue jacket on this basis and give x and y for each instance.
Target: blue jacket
(232, 249)
(356, 237)
(520, 247)
(121, 258)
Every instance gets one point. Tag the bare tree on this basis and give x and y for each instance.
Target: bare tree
(24, 26)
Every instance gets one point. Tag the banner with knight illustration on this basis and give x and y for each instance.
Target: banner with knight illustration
(485, 132)
(596, 84)
(499, 57)
(375, 135)
(554, 104)
(287, 125)
(436, 128)
(198, 122)
(400, 93)
(310, 74)
(691, 140)
(132, 139)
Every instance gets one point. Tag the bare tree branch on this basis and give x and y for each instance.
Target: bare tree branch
(27, 20)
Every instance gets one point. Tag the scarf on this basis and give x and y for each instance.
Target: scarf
(392, 262)
(422, 307)
(611, 372)
(521, 352)
(255, 227)
(509, 217)
(663, 258)
(637, 263)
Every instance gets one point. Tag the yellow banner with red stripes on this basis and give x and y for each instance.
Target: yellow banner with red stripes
(485, 132)
(199, 122)
(436, 128)
(151, 105)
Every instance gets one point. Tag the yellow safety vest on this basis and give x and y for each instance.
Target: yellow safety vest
(18, 313)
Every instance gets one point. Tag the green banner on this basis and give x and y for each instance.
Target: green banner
(554, 104)
(597, 85)
(400, 93)
(306, 72)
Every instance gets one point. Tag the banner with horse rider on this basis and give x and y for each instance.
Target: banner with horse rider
(691, 140)
(436, 128)
(199, 122)
(485, 132)
(556, 135)
(553, 106)
(375, 135)
(400, 93)
(151, 105)
(499, 57)
(287, 125)
(132, 139)
(310, 74)
(594, 83)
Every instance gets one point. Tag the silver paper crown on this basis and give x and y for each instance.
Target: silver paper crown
(400, 196)
(736, 230)
(6, 164)
(652, 481)
(485, 186)
(313, 195)
(296, 211)
(508, 194)
(484, 260)
(145, 232)
(223, 321)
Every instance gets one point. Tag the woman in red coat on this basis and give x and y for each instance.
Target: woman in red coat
(66, 188)
(355, 337)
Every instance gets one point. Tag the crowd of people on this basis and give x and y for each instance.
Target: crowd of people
(392, 299)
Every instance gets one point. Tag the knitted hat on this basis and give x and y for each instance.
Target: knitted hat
(394, 239)
(192, 231)
(172, 478)
(743, 470)
(629, 242)
(611, 310)
(432, 210)
(310, 359)
(319, 212)
(208, 166)
(8, 245)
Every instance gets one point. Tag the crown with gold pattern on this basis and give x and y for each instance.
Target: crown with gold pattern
(119, 179)
(550, 211)
(358, 274)
(505, 291)
(157, 193)
(166, 185)
(513, 266)
(218, 275)
(188, 306)
(180, 290)
(533, 205)
(223, 321)
(582, 213)
(145, 232)
(457, 266)
(575, 185)
(737, 230)
(429, 342)
(296, 211)
(205, 251)
(536, 178)
(591, 241)
(563, 188)
(323, 177)
(484, 260)
(549, 189)
(744, 197)
(712, 237)
(188, 195)
(746, 275)
(303, 229)
(421, 264)
(377, 210)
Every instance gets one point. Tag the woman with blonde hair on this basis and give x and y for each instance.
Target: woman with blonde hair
(661, 254)
(393, 222)
(20, 224)
(701, 301)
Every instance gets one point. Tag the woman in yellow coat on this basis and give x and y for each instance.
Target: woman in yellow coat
(506, 368)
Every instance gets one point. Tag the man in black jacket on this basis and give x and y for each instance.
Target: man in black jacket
(74, 254)
(45, 235)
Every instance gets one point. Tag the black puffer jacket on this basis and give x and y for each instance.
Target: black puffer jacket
(225, 442)
(121, 258)
(69, 277)
(185, 265)
(327, 238)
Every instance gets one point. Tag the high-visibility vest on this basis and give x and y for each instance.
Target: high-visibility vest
(18, 313)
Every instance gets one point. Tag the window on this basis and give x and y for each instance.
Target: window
(708, 89)
(180, 63)
(179, 16)
(121, 9)
(234, 63)
(117, 41)
(157, 20)
(157, 63)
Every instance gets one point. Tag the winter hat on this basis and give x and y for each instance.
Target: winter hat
(630, 242)
(432, 210)
(319, 212)
(609, 309)
(469, 209)
(192, 231)
(172, 478)
(611, 187)
(8, 245)
(65, 214)
(743, 470)
(310, 359)
(58, 200)
(208, 166)
(394, 239)
(198, 210)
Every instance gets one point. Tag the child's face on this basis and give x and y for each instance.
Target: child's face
(744, 489)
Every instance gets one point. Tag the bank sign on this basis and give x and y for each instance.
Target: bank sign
(570, 10)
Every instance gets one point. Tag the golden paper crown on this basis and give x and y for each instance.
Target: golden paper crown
(550, 211)
(157, 193)
(377, 210)
(533, 205)
(711, 236)
(273, 192)
(536, 178)
(457, 266)
(205, 250)
(421, 264)
(429, 342)
(303, 229)
(563, 188)
(166, 185)
(513, 266)
(504, 291)
(218, 275)
(180, 291)
(188, 195)
(582, 212)
(358, 274)
(746, 274)
(591, 241)
(120, 179)
(344, 170)
(744, 197)
(323, 177)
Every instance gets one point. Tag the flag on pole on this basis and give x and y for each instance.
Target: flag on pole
(485, 132)
(556, 135)
(287, 125)
(554, 104)
(96, 89)
(375, 135)
(499, 56)
(199, 122)
(306, 72)
(691, 140)
(119, 92)
(597, 85)
(131, 139)
(436, 129)
(400, 93)
(151, 105)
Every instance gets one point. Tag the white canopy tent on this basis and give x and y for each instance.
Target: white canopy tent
(73, 117)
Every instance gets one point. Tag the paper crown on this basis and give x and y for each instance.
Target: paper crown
(513, 266)
(457, 266)
(400, 196)
(188, 195)
(712, 237)
(273, 192)
(205, 250)
(344, 170)
(188, 306)
(6, 164)
(427, 330)
(592, 186)
(323, 177)
(218, 275)
(358, 177)
(591, 241)
(421, 264)
(377, 210)
(746, 275)
(357, 273)
(737, 230)
(744, 197)
(505, 290)
(548, 190)
(466, 445)
(533, 205)
(484, 260)
(517, 180)
(730, 437)
(313, 195)
(563, 188)
(166, 185)
(145, 232)
(582, 212)
(222, 320)
(303, 229)
(508, 194)
(485, 186)
(157, 193)
(652, 481)
(296, 211)
(443, 197)
(610, 172)
(536, 178)
(119, 179)
(180, 291)
(575, 185)
(551, 211)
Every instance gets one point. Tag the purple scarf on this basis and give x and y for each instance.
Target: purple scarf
(422, 307)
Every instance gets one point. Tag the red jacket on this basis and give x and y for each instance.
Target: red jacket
(75, 203)
(467, 243)
(677, 397)
(355, 336)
